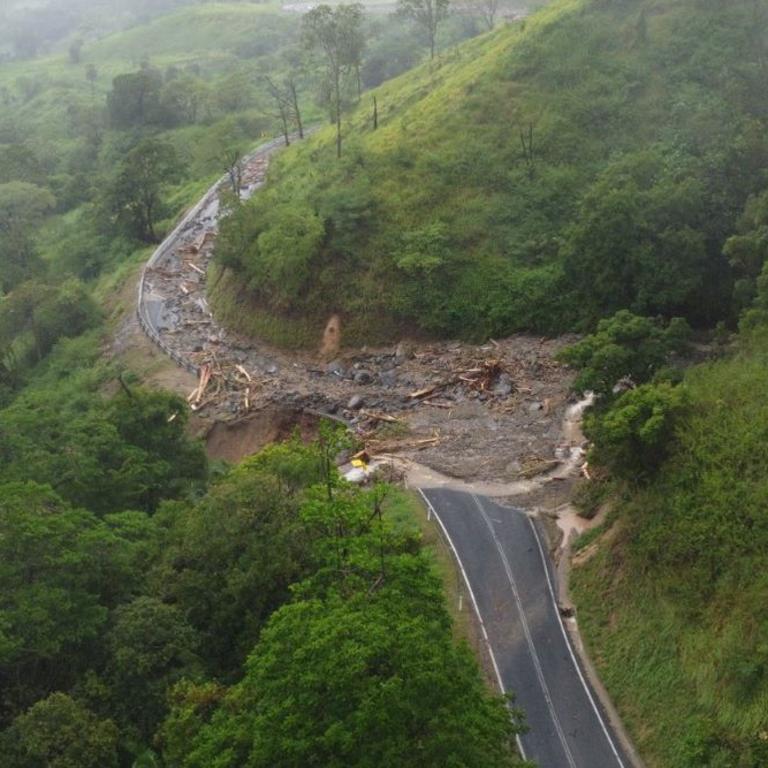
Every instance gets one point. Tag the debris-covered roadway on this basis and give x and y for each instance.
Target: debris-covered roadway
(487, 412)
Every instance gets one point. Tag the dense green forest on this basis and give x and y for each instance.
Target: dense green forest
(594, 157)
(144, 622)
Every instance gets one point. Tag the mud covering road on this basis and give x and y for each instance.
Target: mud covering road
(489, 412)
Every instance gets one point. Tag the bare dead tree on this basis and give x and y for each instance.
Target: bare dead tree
(294, 101)
(285, 96)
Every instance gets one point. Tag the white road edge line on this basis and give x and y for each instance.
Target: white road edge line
(528, 637)
(475, 606)
(571, 651)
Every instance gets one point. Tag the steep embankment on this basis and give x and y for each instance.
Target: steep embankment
(673, 602)
(592, 157)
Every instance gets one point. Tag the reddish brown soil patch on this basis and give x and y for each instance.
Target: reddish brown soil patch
(233, 441)
(331, 339)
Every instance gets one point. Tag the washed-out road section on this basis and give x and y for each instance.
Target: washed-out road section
(477, 435)
(510, 582)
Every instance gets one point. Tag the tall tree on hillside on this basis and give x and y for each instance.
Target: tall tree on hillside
(353, 38)
(427, 14)
(486, 10)
(135, 99)
(22, 208)
(136, 194)
(337, 34)
(282, 99)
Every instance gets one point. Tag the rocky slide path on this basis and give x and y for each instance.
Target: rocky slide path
(492, 412)
(460, 419)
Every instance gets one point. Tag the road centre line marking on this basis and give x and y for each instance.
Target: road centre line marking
(475, 605)
(571, 651)
(528, 637)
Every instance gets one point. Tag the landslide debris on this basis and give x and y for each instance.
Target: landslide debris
(490, 411)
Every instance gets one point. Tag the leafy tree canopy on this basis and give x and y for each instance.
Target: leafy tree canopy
(365, 650)
(127, 453)
(135, 197)
(634, 437)
(58, 732)
(232, 558)
(625, 346)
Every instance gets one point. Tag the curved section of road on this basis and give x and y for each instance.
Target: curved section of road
(510, 582)
(507, 573)
(155, 307)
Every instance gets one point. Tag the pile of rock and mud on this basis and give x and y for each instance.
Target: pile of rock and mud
(489, 411)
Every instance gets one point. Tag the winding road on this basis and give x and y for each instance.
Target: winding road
(511, 585)
(507, 572)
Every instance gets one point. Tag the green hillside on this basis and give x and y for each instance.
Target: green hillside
(593, 157)
(673, 598)
(216, 42)
(674, 602)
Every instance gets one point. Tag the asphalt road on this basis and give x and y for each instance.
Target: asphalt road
(510, 582)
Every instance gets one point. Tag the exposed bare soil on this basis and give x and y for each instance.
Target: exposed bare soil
(486, 413)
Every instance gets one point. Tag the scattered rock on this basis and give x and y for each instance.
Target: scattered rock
(535, 407)
(388, 378)
(335, 367)
(403, 352)
(355, 403)
(504, 386)
(363, 376)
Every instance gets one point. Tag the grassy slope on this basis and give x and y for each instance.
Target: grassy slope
(202, 34)
(594, 79)
(206, 36)
(424, 117)
(674, 604)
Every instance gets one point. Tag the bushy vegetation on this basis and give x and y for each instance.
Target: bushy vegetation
(593, 158)
(136, 632)
(673, 603)
(143, 607)
(625, 350)
(365, 649)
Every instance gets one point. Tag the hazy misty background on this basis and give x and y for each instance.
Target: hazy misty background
(31, 27)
